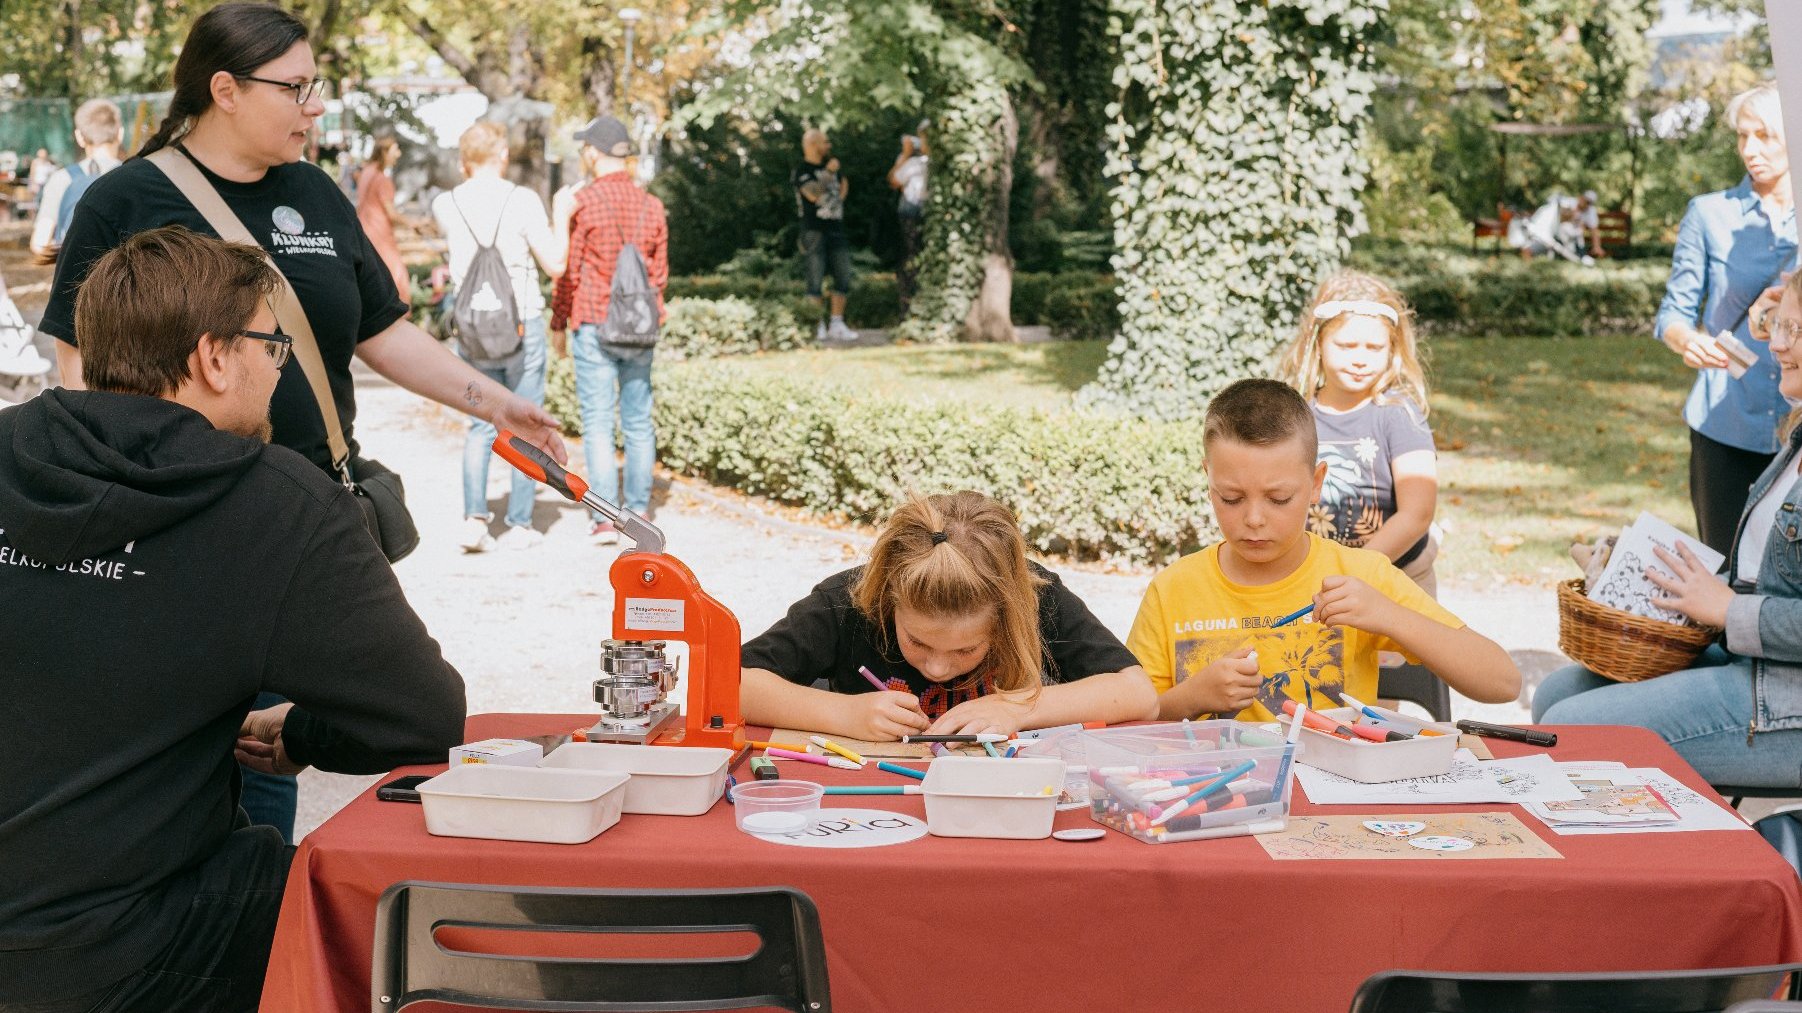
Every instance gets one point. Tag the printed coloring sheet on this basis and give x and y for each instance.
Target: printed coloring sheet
(1623, 584)
(1694, 811)
(1534, 778)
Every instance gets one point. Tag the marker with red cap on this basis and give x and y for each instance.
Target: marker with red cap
(1319, 723)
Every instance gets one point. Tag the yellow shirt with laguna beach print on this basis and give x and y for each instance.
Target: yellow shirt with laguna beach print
(1192, 616)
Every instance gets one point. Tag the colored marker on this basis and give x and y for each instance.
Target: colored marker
(824, 761)
(989, 748)
(873, 789)
(897, 769)
(1039, 733)
(864, 670)
(796, 746)
(1375, 734)
(1011, 750)
(966, 739)
(1299, 712)
(1282, 769)
(1219, 784)
(1365, 709)
(825, 743)
(1189, 732)
(1291, 617)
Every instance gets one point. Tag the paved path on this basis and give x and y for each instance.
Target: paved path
(523, 626)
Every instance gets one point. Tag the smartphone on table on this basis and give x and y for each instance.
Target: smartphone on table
(402, 789)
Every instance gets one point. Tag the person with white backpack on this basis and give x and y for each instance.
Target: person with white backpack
(495, 229)
(612, 295)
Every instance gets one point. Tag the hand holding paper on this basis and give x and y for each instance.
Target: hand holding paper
(1692, 589)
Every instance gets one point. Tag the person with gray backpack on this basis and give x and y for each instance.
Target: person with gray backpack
(495, 230)
(612, 296)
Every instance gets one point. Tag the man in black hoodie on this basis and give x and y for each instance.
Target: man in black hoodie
(160, 565)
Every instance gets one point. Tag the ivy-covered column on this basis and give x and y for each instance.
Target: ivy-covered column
(1236, 157)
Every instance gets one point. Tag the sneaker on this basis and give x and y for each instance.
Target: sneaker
(475, 535)
(819, 331)
(603, 533)
(519, 538)
(839, 332)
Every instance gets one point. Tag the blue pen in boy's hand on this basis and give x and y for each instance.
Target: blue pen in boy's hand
(1291, 617)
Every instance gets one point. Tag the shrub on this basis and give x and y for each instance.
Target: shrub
(704, 328)
(1081, 485)
(1452, 290)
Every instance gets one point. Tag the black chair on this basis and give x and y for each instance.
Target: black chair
(1415, 684)
(1735, 794)
(1708, 991)
(786, 969)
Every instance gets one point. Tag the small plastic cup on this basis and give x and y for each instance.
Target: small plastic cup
(777, 807)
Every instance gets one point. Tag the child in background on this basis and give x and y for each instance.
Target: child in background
(1354, 359)
(966, 633)
(1205, 631)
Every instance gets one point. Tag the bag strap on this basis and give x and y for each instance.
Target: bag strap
(499, 221)
(179, 166)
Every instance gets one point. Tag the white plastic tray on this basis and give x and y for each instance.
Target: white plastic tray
(979, 796)
(666, 780)
(504, 803)
(1374, 762)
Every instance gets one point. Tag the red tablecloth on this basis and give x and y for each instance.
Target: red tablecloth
(946, 923)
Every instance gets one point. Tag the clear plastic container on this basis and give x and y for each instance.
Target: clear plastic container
(1146, 780)
(777, 807)
(1068, 747)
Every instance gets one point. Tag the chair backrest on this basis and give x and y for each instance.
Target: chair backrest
(786, 968)
(1415, 684)
(1707, 991)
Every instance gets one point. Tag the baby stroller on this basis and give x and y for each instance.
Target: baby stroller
(18, 357)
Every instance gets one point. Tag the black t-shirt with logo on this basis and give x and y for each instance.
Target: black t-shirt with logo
(824, 636)
(311, 231)
(826, 213)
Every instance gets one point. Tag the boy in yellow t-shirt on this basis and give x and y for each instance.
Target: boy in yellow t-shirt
(1206, 630)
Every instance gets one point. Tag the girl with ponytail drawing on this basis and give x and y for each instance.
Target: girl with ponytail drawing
(966, 633)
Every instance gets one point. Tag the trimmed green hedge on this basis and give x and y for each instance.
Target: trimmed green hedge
(1082, 486)
(1452, 290)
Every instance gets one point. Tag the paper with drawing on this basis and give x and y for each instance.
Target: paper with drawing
(1534, 778)
(1623, 583)
(1494, 835)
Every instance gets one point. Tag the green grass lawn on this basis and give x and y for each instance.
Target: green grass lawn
(1542, 439)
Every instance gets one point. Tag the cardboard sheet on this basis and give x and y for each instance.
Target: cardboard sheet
(1496, 835)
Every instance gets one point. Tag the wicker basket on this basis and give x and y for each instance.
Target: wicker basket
(1620, 645)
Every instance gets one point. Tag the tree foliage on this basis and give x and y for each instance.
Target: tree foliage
(1236, 159)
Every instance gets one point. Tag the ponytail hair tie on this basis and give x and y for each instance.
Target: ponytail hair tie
(938, 538)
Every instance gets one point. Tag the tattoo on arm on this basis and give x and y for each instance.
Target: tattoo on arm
(472, 394)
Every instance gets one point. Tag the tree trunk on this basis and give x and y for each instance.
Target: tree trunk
(507, 76)
(77, 82)
(991, 314)
(598, 75)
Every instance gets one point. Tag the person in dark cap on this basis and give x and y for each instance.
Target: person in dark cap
(611, 214)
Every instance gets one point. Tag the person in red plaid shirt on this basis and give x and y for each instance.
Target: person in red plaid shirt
(610, 212)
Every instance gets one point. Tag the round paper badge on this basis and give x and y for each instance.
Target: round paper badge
(1437, 843)
(853, 828)
(1080, 834)
(289, 220)
(1394, 828)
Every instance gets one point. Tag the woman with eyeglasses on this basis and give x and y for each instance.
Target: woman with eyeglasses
(246, 94)
(1737, 715)
(1732, 247)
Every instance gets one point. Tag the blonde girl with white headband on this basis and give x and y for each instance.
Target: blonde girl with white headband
(1354, 358)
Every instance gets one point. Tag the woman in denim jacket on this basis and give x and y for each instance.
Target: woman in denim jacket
(1737, 716)
(1730, 248)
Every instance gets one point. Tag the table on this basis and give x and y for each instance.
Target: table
(946, 923)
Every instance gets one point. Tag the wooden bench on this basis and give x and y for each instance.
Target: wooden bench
(1616, 228)
(1497, 227)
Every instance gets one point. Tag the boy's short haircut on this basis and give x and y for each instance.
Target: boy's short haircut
(482, 143)
(98, 122)
(141, 310)
(1261, 413)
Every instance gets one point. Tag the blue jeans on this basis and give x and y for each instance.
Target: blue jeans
(606, 378)
(523, 374)
(269, 799)
(1703, 712)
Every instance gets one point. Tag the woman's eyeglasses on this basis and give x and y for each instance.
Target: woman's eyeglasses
(304, 91)
(279, 346)
(1790, 328)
